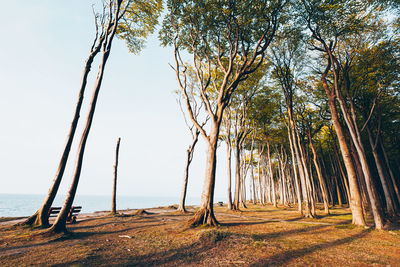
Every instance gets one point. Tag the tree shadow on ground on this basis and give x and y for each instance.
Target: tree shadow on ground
(244, 223)
(188, 254)
(193, 253)
(83, 235)
(283, 258)
(111, 223)
(333, 215)
(68, 236)
(264, 236)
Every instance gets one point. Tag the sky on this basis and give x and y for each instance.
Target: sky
(43, 48)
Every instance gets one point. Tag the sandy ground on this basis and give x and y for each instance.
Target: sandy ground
(257, 236)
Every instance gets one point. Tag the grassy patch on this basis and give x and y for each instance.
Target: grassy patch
(346, 226)
(213, 236)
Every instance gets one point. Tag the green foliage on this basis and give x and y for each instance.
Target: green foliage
(330, 19)
(139, 20)
(227, 38)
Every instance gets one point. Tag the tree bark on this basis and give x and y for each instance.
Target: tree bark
(237, 177)
(395, 186)
(229, 163)
(114, 195)
(41, 216)
(321, 179)
(390, 207)
(373, 196)
(355, 197)
(60, 223)
(296, 178)
(205, 214)
(189, 158)
(271, 178)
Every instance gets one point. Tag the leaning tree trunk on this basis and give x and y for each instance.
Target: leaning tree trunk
(396, 188)
(229, 163)
(306, 200)
(236, 199)
(60, 223)
(355, 197)
(307, 177)
(299, 207)
(322, 183)
(41, 216)
(260, 179)
(355, 136)
(343, 176)
(189, 158)
(254, 186)
(271, 176)
(114, 195)
(205, 214)
(390, 206)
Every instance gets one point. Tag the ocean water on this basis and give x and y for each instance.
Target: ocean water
(14, 205)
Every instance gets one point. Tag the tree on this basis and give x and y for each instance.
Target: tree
(373, 76)
(41, 216)
(114, 193)
(226, 136)
(227, 41)
(287, 58)
(113, 13)
(326, 23)
(194, 132)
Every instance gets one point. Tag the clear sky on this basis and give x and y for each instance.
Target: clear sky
(43, 48)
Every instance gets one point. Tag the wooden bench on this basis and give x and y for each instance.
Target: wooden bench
(54, 211)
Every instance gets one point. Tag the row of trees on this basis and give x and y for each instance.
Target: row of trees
(302, 92)
(306, 95)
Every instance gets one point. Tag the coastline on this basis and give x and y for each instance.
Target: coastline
(4, 221)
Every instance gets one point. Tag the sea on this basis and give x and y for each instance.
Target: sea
(20, 205)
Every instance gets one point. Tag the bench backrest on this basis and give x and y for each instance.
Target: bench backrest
(56, 210)
(53, 211)
(75, 210)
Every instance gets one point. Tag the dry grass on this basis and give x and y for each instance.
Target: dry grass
(258, 236)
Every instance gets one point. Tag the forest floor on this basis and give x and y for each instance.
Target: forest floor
(257, 236)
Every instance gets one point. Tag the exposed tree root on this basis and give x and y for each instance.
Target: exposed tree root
(181, 210)
(204, 217)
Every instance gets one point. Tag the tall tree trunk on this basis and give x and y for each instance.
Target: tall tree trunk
(343, 176)
(355, 197)
(271, 176)
(298, 191)
(114, 195)
(373, 195)
(229, 159)
(309, 199)
(41, 216)
(189, 158)
(350, 120)
(254, 186)
(60, 223)
(395, 186)
(390, 206)
(237, 177)
(322, 183)
(205, 214)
